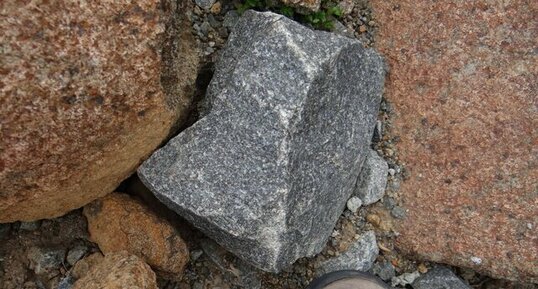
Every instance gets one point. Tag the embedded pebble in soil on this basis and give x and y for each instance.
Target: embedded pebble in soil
(359, 256)
(439, 278)
(353, 204)
(41, 260)
(205, 4)
(384, 270)
(75, 254)
(372, 179)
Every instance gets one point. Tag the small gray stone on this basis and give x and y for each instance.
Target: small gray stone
(359, 256)
(205, 28)
(42, 260)
(392, 172)
(285, 127)
(398, 212)
(29, 226)
(196, 254)
(66, 283)
(353, 204)
(205, 4)
(213, 21)
(439, 278)
(76, 254)
(372, 179)
(405, 279)
(385, 270)
(389, 203)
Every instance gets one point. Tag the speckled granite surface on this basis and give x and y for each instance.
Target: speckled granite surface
(463, 82)
(85, 96)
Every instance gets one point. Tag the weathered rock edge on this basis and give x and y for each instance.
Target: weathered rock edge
(269, 167)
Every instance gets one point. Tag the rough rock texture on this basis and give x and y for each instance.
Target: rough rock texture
(84, 265)
(268, 169)
(85, 95)
(118, 271)
(303, 5)
(359, 256)
(118, 222)
(439, 278)
(42, 260)
(372, 179)
(463, 85)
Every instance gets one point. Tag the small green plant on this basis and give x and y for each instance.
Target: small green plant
(287, 11)
(323, 19)
(250, 4)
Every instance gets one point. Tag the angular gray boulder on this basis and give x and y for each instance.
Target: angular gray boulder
(268, 168)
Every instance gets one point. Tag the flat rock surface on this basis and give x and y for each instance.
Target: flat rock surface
(268, 169)
(85, 95)
(463, 85)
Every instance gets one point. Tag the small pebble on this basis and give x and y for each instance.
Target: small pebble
(398, 212)
(204, 28)
(385, 270)
(29, 226)
(213, 21)
(76, 254)
(405, 279)
(195, 254)
(205, 4)
(362, 29)
(353, 204)
(198, 11)
(422, 268)
(476, 260)
(216, 8)
(389, 203)
(42, 260)
(392, 172)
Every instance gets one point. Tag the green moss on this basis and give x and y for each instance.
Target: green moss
(323, 19)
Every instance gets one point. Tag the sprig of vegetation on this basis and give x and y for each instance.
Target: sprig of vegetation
(323, 19)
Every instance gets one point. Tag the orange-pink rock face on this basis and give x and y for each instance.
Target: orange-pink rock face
(88, 89)
(464, 84)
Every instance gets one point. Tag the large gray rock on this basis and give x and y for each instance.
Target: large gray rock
(359, 256)
(268, 168)
(439, 278)
(372, 179)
